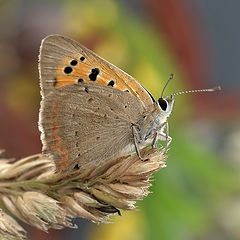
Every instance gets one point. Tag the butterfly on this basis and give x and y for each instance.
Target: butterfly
(91, 111)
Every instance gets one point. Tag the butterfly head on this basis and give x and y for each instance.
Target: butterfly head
(166, 103)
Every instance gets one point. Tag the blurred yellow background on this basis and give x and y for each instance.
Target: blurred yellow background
(198, 195)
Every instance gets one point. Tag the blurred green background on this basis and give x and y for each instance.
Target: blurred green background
(197, 197)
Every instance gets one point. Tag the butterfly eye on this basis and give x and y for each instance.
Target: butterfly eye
(162, 104)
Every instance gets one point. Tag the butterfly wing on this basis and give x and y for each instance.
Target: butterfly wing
(87, 124)
(65, 62)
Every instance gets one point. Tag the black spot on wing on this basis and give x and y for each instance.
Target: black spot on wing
(76, 167)
(80, 80)
(111, 83)
(82, 59)
(68, 70)
(73, 62)
(90, 100)
(55, 82)
(94, 73)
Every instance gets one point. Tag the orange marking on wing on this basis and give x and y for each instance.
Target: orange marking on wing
(55, 127)
(56, 107)
(57, 139)
(63, 79)
(107, 73)
(64, 153)
(80, 71)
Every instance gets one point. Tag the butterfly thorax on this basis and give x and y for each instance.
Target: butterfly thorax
(150, 124)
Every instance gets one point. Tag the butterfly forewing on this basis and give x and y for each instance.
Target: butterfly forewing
(65, 62)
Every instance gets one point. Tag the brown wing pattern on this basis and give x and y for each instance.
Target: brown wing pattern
(86, 124)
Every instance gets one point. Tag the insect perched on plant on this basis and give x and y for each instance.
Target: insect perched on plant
(91, 111)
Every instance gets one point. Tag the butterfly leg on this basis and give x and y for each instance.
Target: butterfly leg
(162, 136)
(158, 133)
(168, 138)
(135, 140)
(154, 142)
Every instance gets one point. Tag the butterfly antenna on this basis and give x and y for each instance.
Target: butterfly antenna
(170, 78)
(218, 88)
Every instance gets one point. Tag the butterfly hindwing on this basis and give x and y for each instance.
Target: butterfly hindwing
(87, 124)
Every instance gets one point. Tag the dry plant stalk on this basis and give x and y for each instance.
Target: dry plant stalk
(32, 191)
